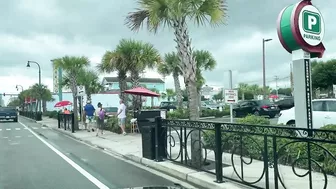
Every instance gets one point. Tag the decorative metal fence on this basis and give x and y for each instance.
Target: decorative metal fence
(254, 155)
(32, 115)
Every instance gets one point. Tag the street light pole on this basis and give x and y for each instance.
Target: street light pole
(17, 87)
(264, 66)
(39, 67)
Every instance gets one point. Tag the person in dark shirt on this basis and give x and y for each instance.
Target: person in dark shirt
(89, 111)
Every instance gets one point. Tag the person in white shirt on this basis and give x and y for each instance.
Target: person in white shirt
(122, 116)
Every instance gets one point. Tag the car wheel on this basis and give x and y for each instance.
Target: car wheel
(256, 113)
(15, 120)
(291, 123)
(272, 116)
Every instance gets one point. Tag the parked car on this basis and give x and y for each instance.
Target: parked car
(111, 111)
(256, 107)
(168, 105)
(285, 104)
(324, 113)
(210, 106)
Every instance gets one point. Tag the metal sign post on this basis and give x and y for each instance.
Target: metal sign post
(231, 97)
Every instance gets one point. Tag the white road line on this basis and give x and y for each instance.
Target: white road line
(8, 129)
(0, 129)
(35, 128)
(17, 136)
(86, 174)
(17, 129)
(5, 137)
(44, 127)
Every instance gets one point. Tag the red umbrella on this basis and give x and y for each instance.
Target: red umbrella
(142, 92)
(62, 103)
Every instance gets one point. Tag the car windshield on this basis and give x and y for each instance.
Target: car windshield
(7, 109)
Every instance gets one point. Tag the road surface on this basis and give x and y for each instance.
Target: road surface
(32, 161)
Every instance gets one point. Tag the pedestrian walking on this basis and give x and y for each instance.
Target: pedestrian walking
(100, 114)
(89, 111)
(122, 116)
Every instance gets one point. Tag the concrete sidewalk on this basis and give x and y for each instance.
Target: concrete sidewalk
(130, 147)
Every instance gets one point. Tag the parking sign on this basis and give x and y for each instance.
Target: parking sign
(231, 96)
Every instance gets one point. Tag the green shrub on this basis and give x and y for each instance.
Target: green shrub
(288, 149)
(178, 114)
(113, 126)
(254, 120)
(184, 113)
(51, 114)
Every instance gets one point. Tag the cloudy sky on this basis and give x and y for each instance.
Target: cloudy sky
(41, 30)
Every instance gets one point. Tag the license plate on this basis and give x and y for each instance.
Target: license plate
(7, 116)
(272, 107)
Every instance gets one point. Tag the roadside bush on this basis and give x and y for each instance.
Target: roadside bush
(113, 126)
(51, 114)
(289, 150)
(178, 114)
(184, 113)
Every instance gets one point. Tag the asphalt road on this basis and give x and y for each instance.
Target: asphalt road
(51, 160)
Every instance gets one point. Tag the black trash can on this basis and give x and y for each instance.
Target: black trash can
(147, 125)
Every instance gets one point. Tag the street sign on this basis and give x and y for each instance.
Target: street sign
(80, 90)
(231, 96)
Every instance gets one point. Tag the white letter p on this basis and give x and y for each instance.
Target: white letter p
(311, 21)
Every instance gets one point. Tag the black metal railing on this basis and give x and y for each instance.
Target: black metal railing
(32, 115)
(254, 155)
(66, 121)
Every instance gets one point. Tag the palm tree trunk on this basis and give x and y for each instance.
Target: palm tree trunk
(123, 86)
(178, 90)
(44, 105)
(75, 105)
(135, 76)
(188, 67)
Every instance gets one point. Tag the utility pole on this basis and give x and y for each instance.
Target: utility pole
(264, 66)
(276, 84)
(291, 78)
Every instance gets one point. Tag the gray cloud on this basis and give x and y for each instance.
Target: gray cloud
(42, 30)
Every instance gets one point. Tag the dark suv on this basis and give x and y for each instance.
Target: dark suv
(256, 107)
(167, 105)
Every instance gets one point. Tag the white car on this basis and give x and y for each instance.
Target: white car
(324, 113)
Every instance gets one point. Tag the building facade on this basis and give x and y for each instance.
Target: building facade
(112, 83)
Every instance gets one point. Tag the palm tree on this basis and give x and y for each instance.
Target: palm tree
(171, 66)
(174, 14)
(40, 93)
(152, 98)
(72, 66)
(169, 94)
(243, 88)
(138, 56)
(113, 61)
(90, 80)
(205, 61)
